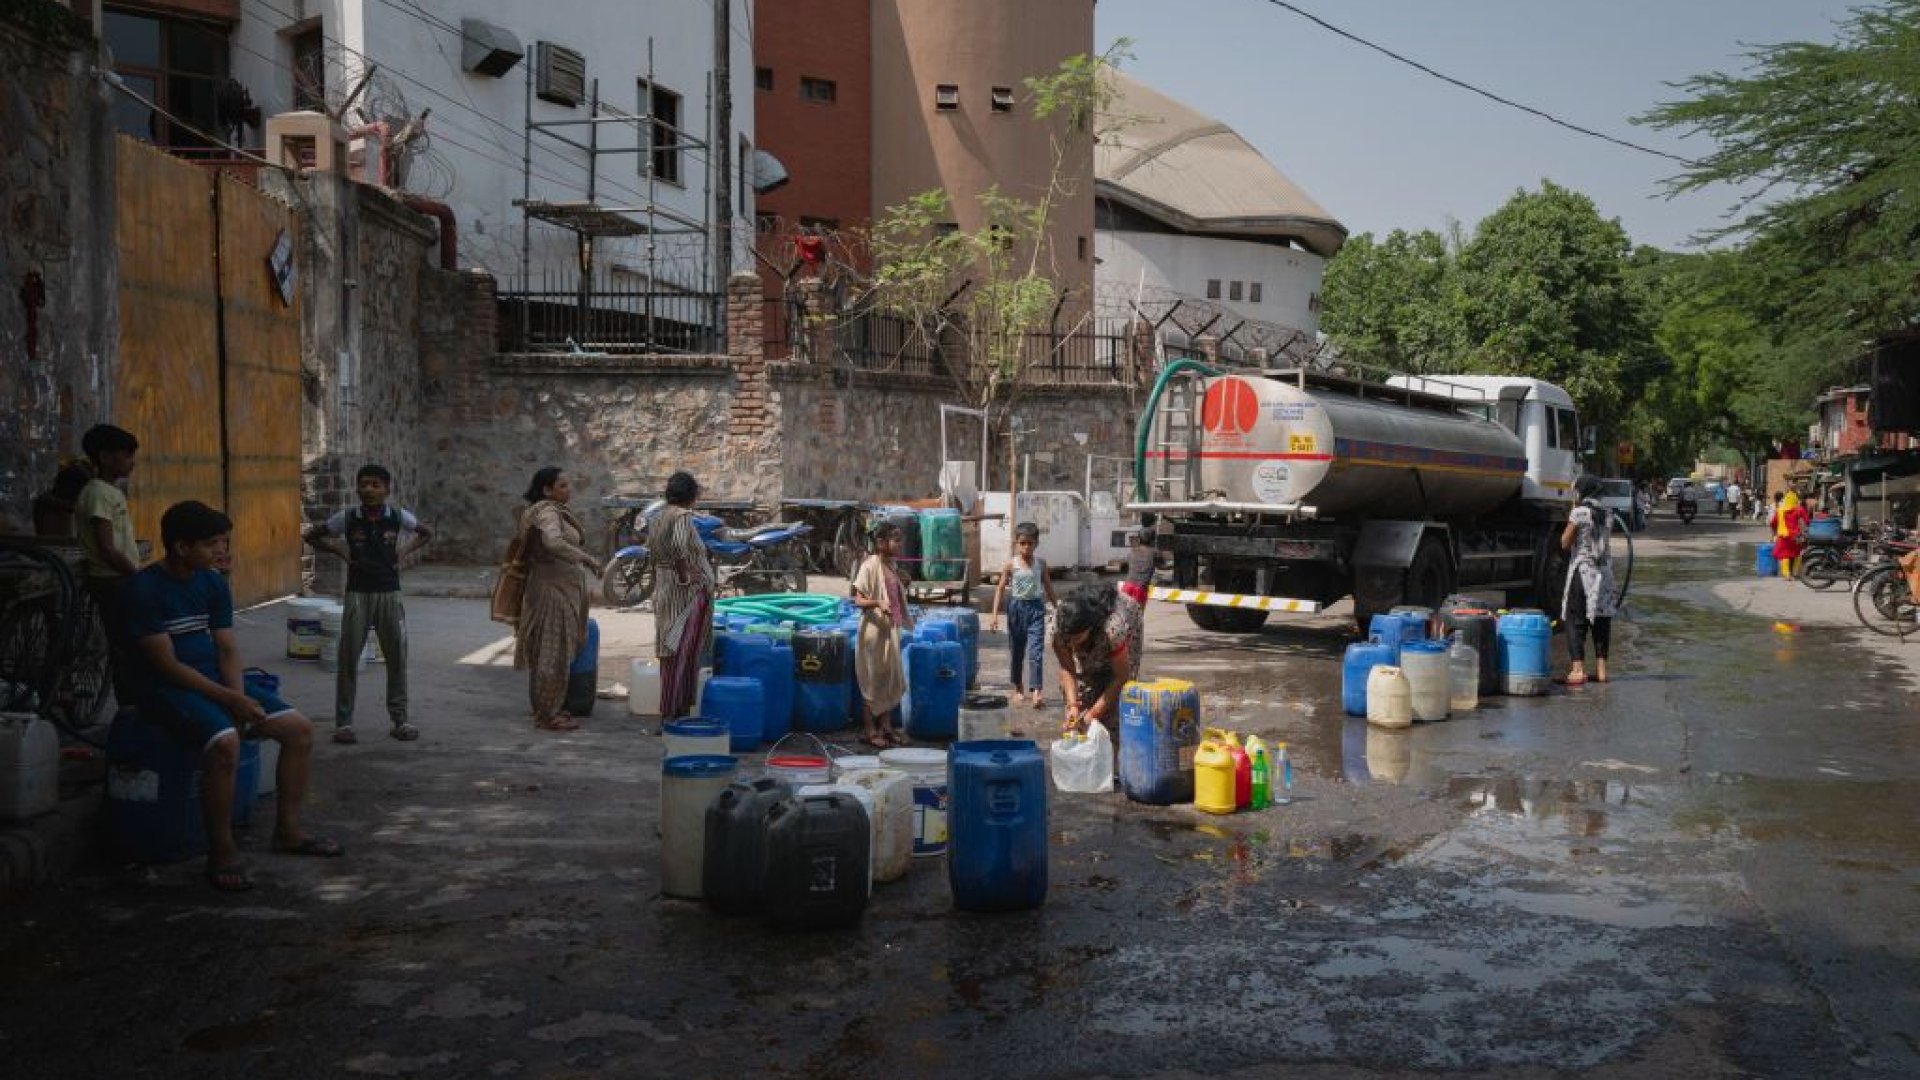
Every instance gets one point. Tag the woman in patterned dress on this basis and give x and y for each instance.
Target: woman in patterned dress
(553, 613)
(682, 597)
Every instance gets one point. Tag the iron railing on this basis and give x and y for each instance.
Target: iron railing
(561, 314)
(883, 344)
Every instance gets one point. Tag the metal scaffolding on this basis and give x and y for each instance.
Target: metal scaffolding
(594, 316)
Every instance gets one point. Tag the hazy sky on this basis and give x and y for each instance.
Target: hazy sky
(1383, 146)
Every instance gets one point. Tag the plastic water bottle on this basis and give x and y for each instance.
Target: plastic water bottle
(1286, 774)
(1262, 788)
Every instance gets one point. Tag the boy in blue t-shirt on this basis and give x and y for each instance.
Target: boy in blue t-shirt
(179, 613)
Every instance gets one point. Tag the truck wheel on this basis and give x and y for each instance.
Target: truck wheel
(1222, 620)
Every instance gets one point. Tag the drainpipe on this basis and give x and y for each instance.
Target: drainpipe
(449, 237)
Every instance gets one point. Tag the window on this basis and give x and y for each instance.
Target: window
(1213, 288)
(946, 97)
(1082, 245)
(1003, 99)
(663, 106)
(762, 78)
(821, 90)
(309, 70)
(1253, 293)
(177, 64)
(1233, 292)
(1569, 430)
(765, 223)
(743, 168)
(819, 224)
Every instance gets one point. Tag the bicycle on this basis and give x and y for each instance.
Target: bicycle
(54, 658)
(1884, 602)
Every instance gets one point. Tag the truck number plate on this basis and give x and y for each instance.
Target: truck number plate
(1300, 444)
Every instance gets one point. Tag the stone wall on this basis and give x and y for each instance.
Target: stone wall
(58, 263)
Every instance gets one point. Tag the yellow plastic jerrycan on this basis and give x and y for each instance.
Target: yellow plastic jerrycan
(1213, 774)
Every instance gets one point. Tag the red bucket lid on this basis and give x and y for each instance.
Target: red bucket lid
(798, 761)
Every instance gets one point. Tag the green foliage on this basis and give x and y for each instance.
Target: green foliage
(1396, 303)
(1830, 134)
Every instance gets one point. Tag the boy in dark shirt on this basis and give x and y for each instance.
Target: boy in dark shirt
(371, 542)
(189, 681)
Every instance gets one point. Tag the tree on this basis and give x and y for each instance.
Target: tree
(1828, 138)
(1396, 303)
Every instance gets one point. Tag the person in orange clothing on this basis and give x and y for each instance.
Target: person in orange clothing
(1789, 526)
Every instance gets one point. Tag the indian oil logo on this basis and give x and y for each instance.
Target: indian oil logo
(1230, 409)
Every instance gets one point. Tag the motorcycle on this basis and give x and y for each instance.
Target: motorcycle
(1687, 509)
(761, 559)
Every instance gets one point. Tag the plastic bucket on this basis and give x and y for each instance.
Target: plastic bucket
(303, 629)
(687, 787)
(799, 768)
(928, 771)
(848, 764)
(695, 736)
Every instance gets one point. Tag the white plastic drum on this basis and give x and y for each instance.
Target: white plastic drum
(303, 629)
(892, 813)
(688, 785)
(928, 771)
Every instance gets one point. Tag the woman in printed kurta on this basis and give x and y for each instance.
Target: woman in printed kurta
(1097, 635)
(682, 597)
(1587, 601)
(553, 614)
(878, 664)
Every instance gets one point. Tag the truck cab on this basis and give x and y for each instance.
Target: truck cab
(1539, 413)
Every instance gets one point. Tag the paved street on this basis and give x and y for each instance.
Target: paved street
(1705, 868)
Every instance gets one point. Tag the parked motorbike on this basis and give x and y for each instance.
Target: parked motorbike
(762, 559)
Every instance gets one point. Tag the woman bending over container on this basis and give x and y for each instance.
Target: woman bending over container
(682, 598)
(1587, 603)
(553, 614)
(1096, 638)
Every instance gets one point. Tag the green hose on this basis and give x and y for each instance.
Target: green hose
(804, 609)
(1144, 430)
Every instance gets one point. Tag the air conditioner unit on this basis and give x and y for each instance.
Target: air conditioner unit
(486, 49)
(560, 74)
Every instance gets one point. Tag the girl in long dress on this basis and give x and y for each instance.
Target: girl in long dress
(553, 613)
(882, 599)
(682, 597)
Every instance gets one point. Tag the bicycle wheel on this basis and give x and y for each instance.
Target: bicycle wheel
(85, 680)
(849, 544)
(1884, 603)
(26, 654)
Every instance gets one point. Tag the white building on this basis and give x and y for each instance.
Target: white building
(1188, 209)
(456, 60)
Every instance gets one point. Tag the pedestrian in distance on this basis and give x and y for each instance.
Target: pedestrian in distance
(1586, 603)
(881, 595)
(552, 621)
(54, 508)
(373, 541)
(1097, 633)
(188, 680)
(104, 527)
(682, 597)
(1027, 593)
(1735, 496)
(1789, 523)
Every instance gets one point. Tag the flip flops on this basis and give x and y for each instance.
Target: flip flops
(231, 877)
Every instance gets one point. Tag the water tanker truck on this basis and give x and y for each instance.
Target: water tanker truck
(1287, 490)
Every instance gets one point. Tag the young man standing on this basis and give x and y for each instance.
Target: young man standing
(104, 527)
(371, 541)
(189, 681)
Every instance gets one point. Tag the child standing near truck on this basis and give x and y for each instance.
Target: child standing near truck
(1024, 578)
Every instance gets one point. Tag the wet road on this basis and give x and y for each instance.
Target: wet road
(1704, 868)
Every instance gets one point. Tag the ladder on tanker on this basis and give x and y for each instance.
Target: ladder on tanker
(1173, 451)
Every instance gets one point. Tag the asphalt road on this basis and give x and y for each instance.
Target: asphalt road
(1705, 868)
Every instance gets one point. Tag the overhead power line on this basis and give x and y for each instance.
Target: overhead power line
(1482, 92)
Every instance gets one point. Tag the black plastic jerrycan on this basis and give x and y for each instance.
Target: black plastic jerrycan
(733, 875)
(817, 873)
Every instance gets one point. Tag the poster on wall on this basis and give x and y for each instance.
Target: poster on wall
(280, 266)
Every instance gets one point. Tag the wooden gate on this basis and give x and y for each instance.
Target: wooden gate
(209, 377)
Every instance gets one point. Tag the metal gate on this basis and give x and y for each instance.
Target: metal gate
(209, 377)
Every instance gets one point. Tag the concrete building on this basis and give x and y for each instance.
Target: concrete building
(1188, 208)
(813, 104)
(950, 112)
(311, 54)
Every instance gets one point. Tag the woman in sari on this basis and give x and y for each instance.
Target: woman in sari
(553, 612)
(682, 597)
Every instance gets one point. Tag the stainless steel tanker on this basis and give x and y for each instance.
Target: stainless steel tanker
(1285, 491)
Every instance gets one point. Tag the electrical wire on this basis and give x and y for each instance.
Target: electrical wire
(1488, 94)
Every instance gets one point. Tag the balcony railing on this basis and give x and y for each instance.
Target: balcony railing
(559, 315)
